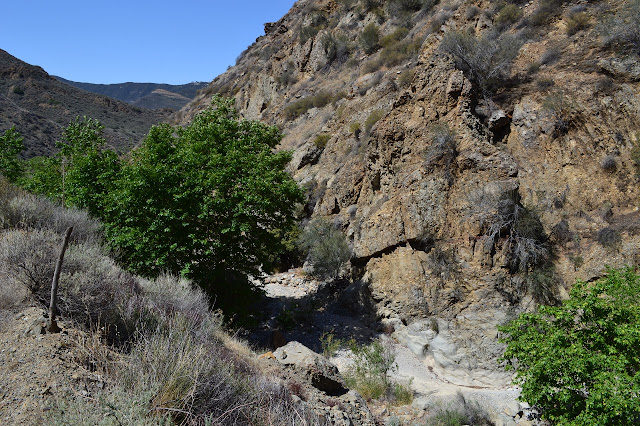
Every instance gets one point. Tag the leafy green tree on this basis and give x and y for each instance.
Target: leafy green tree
(11, 146)
(326, 247)
(42, 176)
(83, 172)
(88, 168)
(209, 200)
(579, 363)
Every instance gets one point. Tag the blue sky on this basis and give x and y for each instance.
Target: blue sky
(115, 41)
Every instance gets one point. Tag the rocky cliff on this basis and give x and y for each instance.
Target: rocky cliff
(471, 184)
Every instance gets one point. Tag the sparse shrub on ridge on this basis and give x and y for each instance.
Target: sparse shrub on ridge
(369, 38)
(372, 119)
(577, 22)
(486, 60)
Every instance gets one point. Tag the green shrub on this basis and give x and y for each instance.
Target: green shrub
(337, 96)
(578, 363)
(326, 248)
(321, 140)
(406, 77)
(372, 119)
(609, 238)
(546, 12)
(369, 38)
(372, 65)
(394, 37)
(336, 47)
(330, 344)
(577, 22)
(321, 99)
(296, 109)
(355, 129)
(369, 373)
(398, 53)
(17, 90)
(561, 109)
(508, 15)
(486, 60)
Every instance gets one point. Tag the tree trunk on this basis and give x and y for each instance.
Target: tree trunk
(52, 327)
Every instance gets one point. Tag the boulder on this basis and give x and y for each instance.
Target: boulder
(322, 374)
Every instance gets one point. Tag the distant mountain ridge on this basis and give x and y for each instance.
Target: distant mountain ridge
(144, 95)
(40, 107)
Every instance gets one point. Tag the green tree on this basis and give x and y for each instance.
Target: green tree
(326, 247)
(81, 174)
(579, 363)
(11, 146)
(209, 200)
(88, 168)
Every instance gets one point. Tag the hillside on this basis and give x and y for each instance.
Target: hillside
(480, 157)
(40, 106)
(144, 95)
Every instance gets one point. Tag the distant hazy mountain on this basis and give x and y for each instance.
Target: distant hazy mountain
(144, 95)
(40, 107)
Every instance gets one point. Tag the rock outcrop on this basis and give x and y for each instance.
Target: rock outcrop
(463, 207)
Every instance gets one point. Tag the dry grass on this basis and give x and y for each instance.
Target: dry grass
(170, 359)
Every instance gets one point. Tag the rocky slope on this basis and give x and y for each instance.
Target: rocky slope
(40, 107)
(144, 95)
(465, 204)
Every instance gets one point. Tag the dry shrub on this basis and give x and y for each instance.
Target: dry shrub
(198, 380)
(20, 209)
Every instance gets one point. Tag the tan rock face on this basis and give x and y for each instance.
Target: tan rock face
(418, 210)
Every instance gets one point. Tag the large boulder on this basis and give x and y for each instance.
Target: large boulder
(321, 373)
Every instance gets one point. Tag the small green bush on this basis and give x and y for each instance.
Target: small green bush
(355, 128)
(321, 140)
(458, 412)
(609, 237)
(330, 344)
(394, 37)
(406, 77)
(561, 109)
(17, 90)
(508, 15)
(369, 374)
(296, 109)
(372, 119)
(577, 22)
(369, 38)
(326, 247)
(398, 53)
(546, 12)
(372, 65)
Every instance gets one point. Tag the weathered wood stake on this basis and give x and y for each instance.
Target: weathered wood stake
(52, 327)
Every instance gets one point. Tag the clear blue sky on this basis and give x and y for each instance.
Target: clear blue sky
(98, 41)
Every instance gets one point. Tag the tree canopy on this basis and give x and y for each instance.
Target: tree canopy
(204, 200)
(11, 144)
(579, 363)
